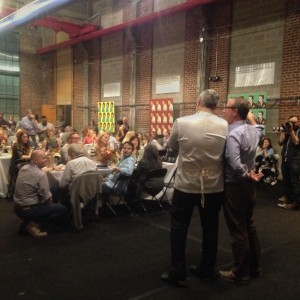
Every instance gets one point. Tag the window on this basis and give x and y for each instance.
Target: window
(9, 75)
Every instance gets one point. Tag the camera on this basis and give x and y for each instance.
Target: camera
(285, 127)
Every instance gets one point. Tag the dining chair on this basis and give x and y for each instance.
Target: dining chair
(85, 188)
(153, 186)
(118, 190)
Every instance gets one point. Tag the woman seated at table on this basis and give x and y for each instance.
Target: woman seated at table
(102, 142)
(149, 162)
(104, 154)
(138, 150)
(51, 142)
(21, 152)
(90, 137)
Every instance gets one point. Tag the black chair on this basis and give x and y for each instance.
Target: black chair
(153, 186)
(119, 190)
(169, 183)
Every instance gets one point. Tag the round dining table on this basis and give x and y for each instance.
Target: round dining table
(5, 159)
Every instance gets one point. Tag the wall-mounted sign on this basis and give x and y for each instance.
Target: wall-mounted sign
(168, 84)
(255, 75)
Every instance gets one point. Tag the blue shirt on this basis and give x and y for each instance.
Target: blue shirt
(126, 165)
(241, 145)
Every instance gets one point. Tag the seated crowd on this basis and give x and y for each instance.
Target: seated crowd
(45, 209)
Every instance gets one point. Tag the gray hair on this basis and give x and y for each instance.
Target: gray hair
(76, 149)
(208, 98)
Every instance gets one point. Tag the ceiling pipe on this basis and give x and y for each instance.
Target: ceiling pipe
(29, 13)
(133, 23)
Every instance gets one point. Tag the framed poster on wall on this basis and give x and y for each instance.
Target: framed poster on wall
(161, 115)
(106, 116)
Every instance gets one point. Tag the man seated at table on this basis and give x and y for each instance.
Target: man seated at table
(78, 164)
(124, 167)
(72, 138)
(33, 199)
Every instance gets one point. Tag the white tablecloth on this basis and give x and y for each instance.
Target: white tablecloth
(5, 159)
(55, 176)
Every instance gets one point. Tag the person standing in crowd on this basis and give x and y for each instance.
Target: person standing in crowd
(240, 179)
(30, 125)
(33, 199)
(290, 167)
(200, 139)
(125, 123)
(60, 123)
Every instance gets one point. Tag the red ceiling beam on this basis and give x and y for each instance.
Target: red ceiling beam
(74, 30)
(133, 23)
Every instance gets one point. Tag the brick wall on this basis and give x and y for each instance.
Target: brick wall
(229, 47)
(290, 79)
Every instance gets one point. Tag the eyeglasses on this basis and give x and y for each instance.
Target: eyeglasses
(230, 107)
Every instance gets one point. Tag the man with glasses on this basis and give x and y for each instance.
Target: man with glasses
(72, 138)
(240, 152)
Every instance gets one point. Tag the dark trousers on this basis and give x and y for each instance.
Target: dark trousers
(238, 210)
(291, 181)
(181, 212)
(45, 214)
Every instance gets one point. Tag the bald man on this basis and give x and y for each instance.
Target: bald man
(33, 199)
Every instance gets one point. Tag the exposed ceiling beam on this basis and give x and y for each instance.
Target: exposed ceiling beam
(74, 30)
(132, 23)
(30, 13)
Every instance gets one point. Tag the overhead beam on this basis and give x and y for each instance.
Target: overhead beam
(74, 30)
(132, 23)
(29, 13)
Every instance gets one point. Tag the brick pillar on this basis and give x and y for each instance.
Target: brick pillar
(290, 76)
(144, 67)
(31, 79)
(48, 63)
(219, 53)
(79, 59)
(190, 62)
(128, 72)
(93, 48)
